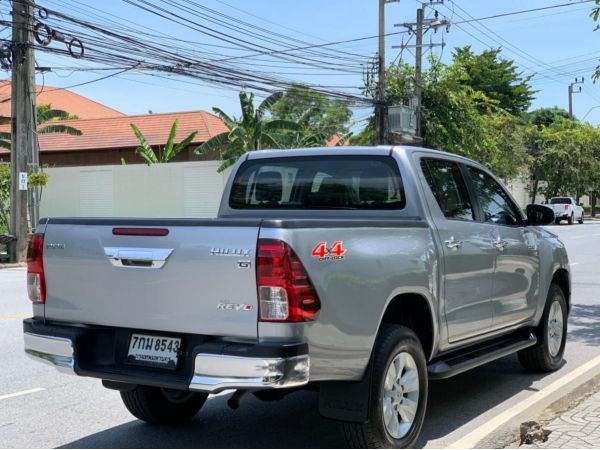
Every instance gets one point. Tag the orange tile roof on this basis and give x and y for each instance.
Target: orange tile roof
(116, 133)
(59, 98)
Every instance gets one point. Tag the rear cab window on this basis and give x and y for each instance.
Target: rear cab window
(318, 182)
(560, 201)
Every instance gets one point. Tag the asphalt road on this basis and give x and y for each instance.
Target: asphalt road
(50, 409)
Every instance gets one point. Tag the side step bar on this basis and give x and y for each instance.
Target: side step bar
(458, 362)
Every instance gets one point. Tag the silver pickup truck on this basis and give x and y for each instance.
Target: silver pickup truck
(361, 272)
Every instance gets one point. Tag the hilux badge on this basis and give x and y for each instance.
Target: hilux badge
(223, 251)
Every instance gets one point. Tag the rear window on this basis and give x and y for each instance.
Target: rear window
(560, 200)
(322, 182)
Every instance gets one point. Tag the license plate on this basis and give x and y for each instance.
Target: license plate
(157, 351)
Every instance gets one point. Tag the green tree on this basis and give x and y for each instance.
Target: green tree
(253, 130)
(457, 118)
(166, 153)
(539, 120)
(498, 78)
(318, 116)
(569, 159)
(595, 15)
(46, 123)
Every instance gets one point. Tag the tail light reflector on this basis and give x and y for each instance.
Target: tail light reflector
(36, 282)
(285, 292)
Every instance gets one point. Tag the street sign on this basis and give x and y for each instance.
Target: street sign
(22, 181)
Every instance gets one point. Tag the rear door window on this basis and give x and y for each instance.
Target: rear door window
(322, 182)
(448, 188)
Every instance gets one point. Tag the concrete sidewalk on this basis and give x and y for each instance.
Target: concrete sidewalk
(576, 428)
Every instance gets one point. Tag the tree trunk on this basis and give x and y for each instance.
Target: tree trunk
(534, 189)
(593, 203)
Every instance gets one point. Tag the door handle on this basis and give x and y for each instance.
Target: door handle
(453, 243)
(500, 244)
(150, 258)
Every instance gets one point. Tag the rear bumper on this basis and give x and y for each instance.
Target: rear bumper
(206, 364)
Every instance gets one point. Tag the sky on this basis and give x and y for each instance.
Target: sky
(554, 45)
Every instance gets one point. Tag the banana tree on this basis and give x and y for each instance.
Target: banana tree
(168, 152)
(251, 131)
(46, 118)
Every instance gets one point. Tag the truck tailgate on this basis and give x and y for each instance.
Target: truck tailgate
(195, 279)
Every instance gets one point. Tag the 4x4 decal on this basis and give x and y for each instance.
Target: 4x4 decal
(324, 253)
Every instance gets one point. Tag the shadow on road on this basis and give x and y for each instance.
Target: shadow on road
(295, 422)
(583, 324)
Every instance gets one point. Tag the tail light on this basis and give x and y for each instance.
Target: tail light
(566, 207)
(36, 282)
(285, 293)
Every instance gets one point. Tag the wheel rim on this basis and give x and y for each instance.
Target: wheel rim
(400, 395)
(555, 328)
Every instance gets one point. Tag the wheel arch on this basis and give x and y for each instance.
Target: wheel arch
(414, 311)
(561, 278)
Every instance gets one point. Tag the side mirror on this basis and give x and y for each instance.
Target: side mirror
(539, 215)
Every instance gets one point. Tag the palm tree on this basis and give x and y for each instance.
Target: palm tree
(170, 150)
(46, 117)
(251, 131)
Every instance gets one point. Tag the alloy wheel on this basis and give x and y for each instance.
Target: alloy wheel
(400, 395)
(555, 328)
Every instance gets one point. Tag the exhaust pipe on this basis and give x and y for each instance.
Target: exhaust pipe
(236, 398)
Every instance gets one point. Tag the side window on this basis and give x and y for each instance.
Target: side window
(449, 188)
(495, 203)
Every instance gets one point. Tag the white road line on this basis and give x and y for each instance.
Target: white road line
(17, 394)
(474, 437)
(573, 264)
(596, 234)
(577, 237)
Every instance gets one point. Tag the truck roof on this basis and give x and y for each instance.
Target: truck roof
(380, 150)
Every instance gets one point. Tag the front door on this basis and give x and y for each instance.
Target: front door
(468, 257)
(516, 275)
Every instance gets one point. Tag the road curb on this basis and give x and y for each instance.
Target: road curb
(507, 433)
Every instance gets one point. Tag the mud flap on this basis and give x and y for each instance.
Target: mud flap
(346, 401)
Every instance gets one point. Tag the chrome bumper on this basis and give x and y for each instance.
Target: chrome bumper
(214, 373)
(55, 351)
(211, 372)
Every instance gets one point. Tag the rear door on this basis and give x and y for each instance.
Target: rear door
(198, 278)
(517, 261)
(468, 257)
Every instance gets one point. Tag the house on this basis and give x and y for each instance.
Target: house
(107, 137)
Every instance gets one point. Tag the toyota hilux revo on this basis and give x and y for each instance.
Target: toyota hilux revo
(360, 272)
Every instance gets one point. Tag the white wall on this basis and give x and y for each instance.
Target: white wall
(188, 189)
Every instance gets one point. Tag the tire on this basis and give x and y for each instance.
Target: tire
(556, 221)
(581, 220)
(395, 344)
(547, 354)
(162, 406)
(570, 220)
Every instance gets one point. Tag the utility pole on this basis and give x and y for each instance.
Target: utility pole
(381, 105)
(23, 123)
(419, 66)
(419, 28)
(571, 91)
